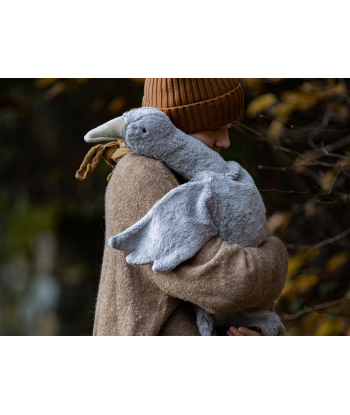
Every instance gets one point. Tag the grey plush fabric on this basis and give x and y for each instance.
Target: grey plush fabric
(219, 199)
(264, 318)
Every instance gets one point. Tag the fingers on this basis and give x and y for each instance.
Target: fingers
(248, 332)
(242, 331)
(233, 332)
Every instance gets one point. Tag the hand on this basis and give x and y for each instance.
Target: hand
(242, 331)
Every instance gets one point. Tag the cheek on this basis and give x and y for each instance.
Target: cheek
(210, 142)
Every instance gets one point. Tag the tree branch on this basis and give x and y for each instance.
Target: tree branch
(320, 244)
(314, 308)
(304, 128)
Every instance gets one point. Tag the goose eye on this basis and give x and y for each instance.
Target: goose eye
(144, 130)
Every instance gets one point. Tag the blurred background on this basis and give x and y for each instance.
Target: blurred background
(294, 140)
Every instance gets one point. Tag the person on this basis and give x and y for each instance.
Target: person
(221, 278)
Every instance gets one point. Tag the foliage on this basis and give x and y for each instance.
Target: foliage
(301, 163)
(294, 139)
(52, 225)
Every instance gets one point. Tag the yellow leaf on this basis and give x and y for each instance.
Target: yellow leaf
(309, 87)
(139, 80)
(260, 104)
(44, 82)
(328, 179)
(344, 162)
(275, 130)
(299, 163)
(329, 176)
(337, 261)
(308, 96)
(288, 293)
(295, 262)
(57, 89)
(282, 110)
(342, 111)
(254, 84)
(330, 327)
(278, 220)
(304, 283)
(311, 320)
(117, 104)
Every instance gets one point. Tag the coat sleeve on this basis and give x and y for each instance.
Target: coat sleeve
(224, 278)
(221, 278)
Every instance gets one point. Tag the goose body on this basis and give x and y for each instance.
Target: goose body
(219, 199)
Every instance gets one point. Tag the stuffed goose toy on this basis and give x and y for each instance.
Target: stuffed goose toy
(219, 199)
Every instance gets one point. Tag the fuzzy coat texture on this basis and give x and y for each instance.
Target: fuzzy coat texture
(221, 278)
(220, 199)
(142, 133)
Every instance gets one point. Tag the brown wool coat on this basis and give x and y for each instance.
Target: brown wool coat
(221, 278)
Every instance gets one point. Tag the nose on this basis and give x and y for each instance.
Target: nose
(223, 139)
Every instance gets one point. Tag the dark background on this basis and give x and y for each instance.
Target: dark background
(52, 225)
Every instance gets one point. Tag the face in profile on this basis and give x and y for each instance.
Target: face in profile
(214, 139)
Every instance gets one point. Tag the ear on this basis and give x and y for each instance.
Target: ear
(110, 131)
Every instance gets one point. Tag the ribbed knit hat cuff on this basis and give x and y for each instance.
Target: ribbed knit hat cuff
(206, 115)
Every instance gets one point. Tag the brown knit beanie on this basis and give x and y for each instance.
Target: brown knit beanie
(196, 104)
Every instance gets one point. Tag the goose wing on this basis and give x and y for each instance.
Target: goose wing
(173, 231)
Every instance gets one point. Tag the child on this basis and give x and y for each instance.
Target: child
(220, 199)
(220, 278)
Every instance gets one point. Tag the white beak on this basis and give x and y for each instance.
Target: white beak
(110, 131)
